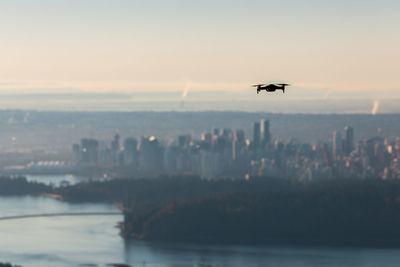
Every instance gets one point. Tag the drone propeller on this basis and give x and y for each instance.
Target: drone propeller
(257, 85)
(285, 84)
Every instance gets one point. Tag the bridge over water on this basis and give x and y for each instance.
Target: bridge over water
(60, 214)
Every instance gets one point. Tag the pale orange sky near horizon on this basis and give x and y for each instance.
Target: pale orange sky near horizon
(130, 46)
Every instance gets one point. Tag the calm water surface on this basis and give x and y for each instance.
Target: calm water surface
(76, 241)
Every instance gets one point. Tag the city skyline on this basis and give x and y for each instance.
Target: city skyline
(224, 152)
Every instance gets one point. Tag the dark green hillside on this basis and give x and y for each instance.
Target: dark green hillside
(330, 212)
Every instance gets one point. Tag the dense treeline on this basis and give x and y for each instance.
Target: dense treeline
(154, 191)
(17, 186)
(335, 211)
(168, 189)
(343, 212)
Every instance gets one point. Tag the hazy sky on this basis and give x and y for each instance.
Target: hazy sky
(128, 46)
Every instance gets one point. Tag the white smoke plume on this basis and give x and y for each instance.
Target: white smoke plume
(184, 94)
(375, 107)
(185, 91)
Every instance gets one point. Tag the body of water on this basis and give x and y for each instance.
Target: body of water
(58, 241)
(95, 241)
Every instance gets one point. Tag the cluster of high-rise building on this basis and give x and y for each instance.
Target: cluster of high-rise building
(228, 153)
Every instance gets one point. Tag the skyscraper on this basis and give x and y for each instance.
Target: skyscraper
(256, 135)
(76, 152)
(215, 131)
(184, 140)
(131, 152)
(238, 143)
(115, 147)
(337, 144)
(151, 154)
(265, 132)
(90, 152)
(349, 142)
